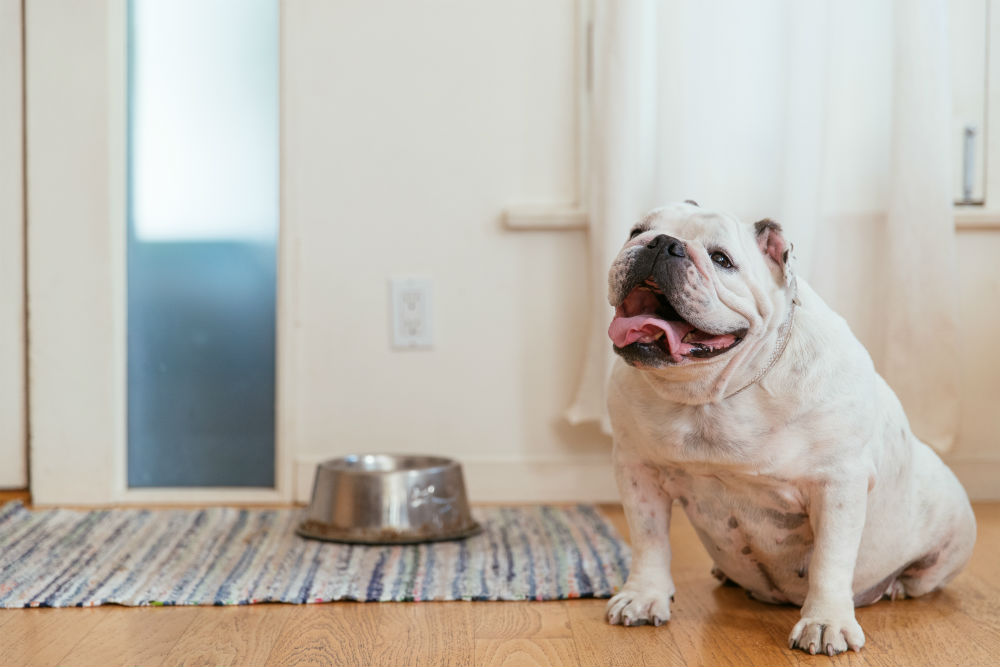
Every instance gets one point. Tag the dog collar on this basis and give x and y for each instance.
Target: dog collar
(784, 334)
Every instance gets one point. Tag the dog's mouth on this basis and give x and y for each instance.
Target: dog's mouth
(647, 330)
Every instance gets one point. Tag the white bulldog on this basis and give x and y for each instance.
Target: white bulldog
(741, 395)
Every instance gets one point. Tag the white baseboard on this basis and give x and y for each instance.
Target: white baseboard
(558, 481)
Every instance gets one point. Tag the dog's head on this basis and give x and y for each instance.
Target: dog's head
(692, 285)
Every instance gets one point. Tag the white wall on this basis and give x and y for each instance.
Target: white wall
(407, 128)
(13, 449)
(976, 456)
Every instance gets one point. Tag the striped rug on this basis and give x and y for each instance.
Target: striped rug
(228, 556)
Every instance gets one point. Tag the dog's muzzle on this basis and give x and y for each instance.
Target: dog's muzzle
(647, 329)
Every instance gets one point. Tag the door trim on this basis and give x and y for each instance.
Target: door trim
(13, 423)
(76, 202)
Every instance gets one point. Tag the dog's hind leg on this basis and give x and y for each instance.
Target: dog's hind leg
(942, 564)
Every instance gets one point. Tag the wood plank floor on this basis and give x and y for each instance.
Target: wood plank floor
(711, 625)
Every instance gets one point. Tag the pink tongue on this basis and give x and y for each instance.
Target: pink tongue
(644, 328)
(627, 330)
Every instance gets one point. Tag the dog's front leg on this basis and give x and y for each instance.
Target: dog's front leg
(646, 596)
(837, 514)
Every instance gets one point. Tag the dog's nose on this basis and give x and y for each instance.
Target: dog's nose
(673, 246)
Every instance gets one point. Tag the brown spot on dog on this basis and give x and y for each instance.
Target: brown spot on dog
(733, 523)
(745, 550)
(796, 539)
(684, 501)
(785, 520)
(768, 579)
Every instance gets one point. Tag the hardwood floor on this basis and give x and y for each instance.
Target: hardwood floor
(711, 625)
(23, 496)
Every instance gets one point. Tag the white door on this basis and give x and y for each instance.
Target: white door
(82, 200)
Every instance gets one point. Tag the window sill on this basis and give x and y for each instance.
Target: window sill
(545, 217)
(976, 219)
(572, 217)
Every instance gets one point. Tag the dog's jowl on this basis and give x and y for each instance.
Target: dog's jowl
(740, 395)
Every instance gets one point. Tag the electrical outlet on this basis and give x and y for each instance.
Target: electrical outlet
(411, 312)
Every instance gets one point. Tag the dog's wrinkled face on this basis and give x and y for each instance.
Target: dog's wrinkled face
(691, 285)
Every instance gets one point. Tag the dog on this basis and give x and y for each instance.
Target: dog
(741, 395)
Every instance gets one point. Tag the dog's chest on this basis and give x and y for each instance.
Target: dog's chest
(742, 432)
(732, 468)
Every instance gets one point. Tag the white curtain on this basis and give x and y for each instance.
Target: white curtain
(831, 117)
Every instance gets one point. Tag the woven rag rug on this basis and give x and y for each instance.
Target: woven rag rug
(228, 556)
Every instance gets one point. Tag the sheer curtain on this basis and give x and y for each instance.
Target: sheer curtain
(832, 118)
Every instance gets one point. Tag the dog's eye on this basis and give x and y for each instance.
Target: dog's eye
(635, 232)
(721, 259)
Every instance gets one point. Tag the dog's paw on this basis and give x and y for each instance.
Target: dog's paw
(826, 635)
(640, 607)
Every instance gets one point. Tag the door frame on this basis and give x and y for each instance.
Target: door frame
(76, 236)
(13, 424)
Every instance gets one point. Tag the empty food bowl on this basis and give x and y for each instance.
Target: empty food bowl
(388, 499)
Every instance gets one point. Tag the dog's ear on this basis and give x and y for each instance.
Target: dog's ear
(773, 245)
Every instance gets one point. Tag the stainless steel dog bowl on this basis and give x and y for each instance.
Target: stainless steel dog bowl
(388, 499)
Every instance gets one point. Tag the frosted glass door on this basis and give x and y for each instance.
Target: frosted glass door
(202, 228)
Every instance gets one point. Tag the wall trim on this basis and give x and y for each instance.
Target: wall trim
(13, 250)
(592, 480)
(495, 481)
(573, 217)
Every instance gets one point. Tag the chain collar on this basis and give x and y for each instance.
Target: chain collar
(784, 334)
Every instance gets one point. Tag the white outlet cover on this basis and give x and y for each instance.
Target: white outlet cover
(411, 312)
